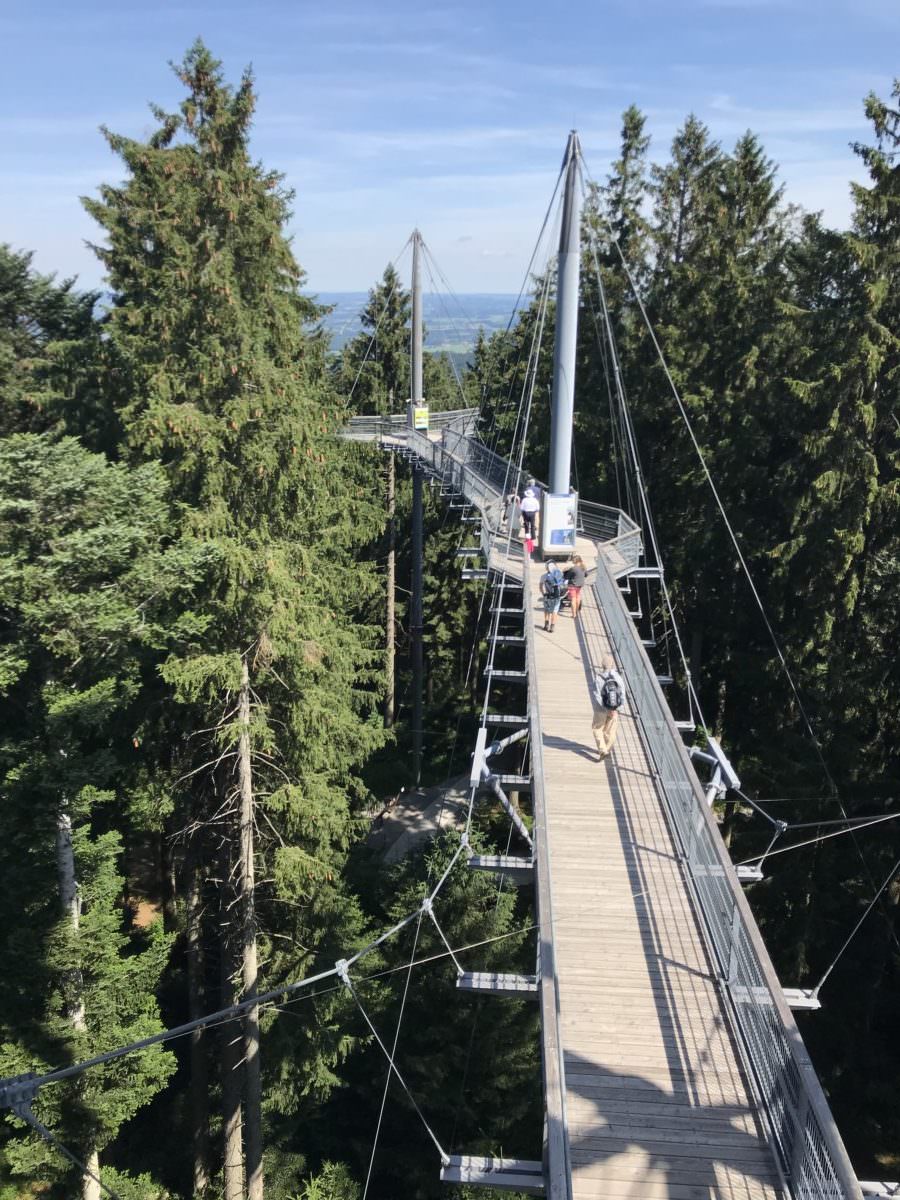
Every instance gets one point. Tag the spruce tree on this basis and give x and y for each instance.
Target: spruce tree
(45, 328)
(215, 377)
(86, 584)
(374, 365)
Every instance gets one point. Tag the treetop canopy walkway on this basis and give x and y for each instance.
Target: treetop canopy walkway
(673, 1067)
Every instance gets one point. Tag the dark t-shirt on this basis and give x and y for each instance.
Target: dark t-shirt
(575, 576)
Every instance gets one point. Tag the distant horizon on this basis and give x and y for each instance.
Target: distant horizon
(452, 119)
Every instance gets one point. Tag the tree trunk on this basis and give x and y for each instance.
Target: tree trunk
(196, 1008)
(252, 1080)
(390, 698)
(231, 1048)
(168, 881)
(71, 906)
(696, 657)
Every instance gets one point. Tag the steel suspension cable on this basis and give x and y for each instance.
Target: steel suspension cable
(394, 263)
(528, 275)
(25, 1114)
(344, 973)
(890, 875)
(721, 507)
(693, 697)
(824, 838)
(387, 1078)
(743, 563)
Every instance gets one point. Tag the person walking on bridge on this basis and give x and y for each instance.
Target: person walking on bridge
(529, 509)
(552, 586)
(609, 696)
(575, 579)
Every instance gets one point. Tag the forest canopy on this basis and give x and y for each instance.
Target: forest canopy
(204, 713)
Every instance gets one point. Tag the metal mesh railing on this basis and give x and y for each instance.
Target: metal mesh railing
(811, 1153)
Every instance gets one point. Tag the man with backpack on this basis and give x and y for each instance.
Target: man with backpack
(609, 696)
(552, 587)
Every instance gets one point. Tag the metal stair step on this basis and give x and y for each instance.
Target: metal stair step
(516, 782)
(505, 1174)
(499, 984)
(748, 874)
(519, 870)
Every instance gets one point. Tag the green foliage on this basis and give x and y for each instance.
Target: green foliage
(334, 1182)
(374, 366)
(474, 1071)
(44, 329)
(224, 524)
(86, 575)
(218, 378)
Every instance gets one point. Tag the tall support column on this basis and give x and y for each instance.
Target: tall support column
(563, 402)
(390, 688)
(416, 364)
(416, 621)
(417, 515)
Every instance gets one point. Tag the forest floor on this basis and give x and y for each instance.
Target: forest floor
(414, 816)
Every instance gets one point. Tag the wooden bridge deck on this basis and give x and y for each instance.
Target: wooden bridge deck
(657, 1104)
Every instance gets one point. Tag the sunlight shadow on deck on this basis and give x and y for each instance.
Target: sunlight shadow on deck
(658, 1108)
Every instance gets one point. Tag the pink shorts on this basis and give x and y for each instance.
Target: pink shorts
(573, 592)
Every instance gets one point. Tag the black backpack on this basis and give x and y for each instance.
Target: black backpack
(611, 693)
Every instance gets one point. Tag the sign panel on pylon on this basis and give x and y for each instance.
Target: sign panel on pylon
(559, 517)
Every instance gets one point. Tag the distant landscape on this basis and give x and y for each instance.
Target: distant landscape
(451, 322)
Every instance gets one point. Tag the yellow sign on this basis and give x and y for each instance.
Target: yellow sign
(420, 418)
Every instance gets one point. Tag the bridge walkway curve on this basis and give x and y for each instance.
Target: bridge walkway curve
(673, 1067)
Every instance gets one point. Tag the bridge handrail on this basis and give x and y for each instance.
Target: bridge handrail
(811, 1153)
(369, 428)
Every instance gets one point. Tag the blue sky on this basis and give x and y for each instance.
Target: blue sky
(452, 117)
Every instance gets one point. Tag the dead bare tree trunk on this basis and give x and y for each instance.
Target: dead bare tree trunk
(196, 1008)
(390, 697)
(252, 1077)
(231, 1047)
(71, 906)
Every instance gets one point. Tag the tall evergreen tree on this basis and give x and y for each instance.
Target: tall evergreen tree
(214, 376)
(44, 327)
(85, 576)
(375, 364)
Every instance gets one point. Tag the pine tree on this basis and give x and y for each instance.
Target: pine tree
(215, 377)
(44, 327)
(86, 577)
(614, 227)
(375, 364)
(474, 1071)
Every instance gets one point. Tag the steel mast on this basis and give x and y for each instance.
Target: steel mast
(416, 617)
(568, 263)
